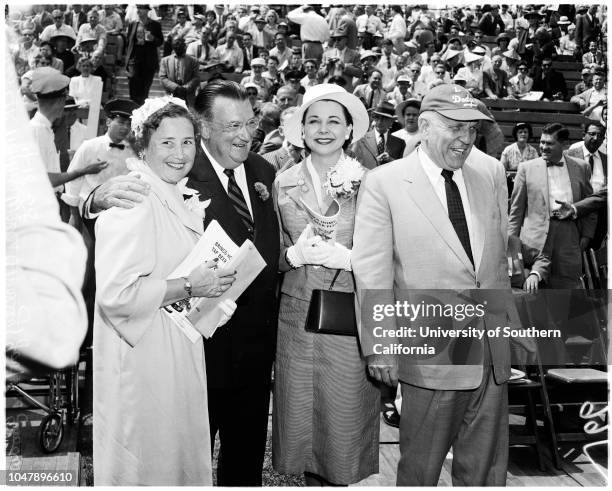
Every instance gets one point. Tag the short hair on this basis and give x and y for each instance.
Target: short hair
(154, 120)
(412, 103)
(275, 58)
(560, 132)
(205, 99)
(338, 80)
(522, 126)
(282, 34)
(247, 34)
(376, 70)
(597, 125)
(82, 60)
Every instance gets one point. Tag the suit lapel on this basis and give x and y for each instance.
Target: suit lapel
(370, 144)
(574, 177)
(539, 167)
(478, 208)
(419, 188)
(303, 189)
(604, 163)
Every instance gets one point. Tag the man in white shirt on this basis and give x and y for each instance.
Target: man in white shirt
(397, 28)
(368, 25)
(111, 148)
(202, 50)
(280, 50)
(57, 28)
(387, 62)
(93, 29)
(230, 53)
(314, 31)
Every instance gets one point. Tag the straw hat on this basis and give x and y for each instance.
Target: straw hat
(332, 92)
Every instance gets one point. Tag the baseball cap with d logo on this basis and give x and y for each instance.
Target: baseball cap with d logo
(454, 102)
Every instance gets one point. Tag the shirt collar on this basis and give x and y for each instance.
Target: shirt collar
(42, 119)
(433, 171)
(217, 166)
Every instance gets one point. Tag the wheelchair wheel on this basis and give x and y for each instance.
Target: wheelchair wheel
(51, 432)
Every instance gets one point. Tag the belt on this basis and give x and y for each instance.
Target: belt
(318, 42)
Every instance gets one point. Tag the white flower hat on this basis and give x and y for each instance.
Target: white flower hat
(332, 92)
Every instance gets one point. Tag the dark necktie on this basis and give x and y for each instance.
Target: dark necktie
(120, 146)
(371, 101)
(388, 63)
(456, 213)
(591, 161)
(235, 194)
(554, 164)
(381, 144)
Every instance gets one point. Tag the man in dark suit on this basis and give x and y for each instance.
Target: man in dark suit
(539, 186)
(144, 36)
(76, 17)
(239, 357)
(588, 150)
(549, 81)
(588, 28)
(178, 73)
(378, 146)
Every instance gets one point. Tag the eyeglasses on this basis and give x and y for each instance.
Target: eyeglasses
(522, 69)
(546, 65)
(236, 126)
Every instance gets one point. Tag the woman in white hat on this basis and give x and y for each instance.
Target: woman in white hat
(326, 410)
(473, 74)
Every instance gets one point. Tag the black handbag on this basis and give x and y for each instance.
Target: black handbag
(332, 312)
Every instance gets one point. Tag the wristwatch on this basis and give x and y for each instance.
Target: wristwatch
(188, 288)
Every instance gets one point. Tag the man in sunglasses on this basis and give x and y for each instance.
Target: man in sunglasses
(58, 28)
(550, 82)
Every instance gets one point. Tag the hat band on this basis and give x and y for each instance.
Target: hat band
(53, 95)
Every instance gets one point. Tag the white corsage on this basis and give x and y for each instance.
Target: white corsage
(344, 178)
(262, 191)
(192, 199)
(151, 105)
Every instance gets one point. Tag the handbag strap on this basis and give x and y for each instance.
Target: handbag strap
(331, 285)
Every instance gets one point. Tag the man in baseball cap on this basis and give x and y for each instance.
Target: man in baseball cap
(432, 221)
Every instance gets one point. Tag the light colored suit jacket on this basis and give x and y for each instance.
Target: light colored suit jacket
(190, 77)
(404, 240)
(529, 216)
(366, 149)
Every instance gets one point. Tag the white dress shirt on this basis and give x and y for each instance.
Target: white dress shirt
(52, 30)
(90, 151)
(559, 185)
(43, 135)
(598, 178)
(434, 173)
(239, 174)
(313, 26)
(397, 28)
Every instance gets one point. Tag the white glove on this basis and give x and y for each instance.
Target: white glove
(336, 256)
(228, 307)
(304, 250)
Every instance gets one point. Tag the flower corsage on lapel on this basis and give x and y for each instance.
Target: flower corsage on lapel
(344, 178)
(192, 199)
(262, 191)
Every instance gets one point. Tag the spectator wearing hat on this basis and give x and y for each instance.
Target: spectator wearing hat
(346, 25)
(62, 45)
(57, 28)
(585, 82)
(473, 74)
(179, 30)
(502, 44)
(261, 37)
(407, 113)
(496, 80)
(144, 36)
(418, 87)
(567, 41)
(521, 84)
(194, 34)
(398, 69)
(453, 60)
(202, 49)
(24, 56)
(252, 91)
(411, 54)
(520, 150)
(340, 60)
(112, 149)
(588, 28)
(51, 88)
(403, 242)
(293, 79)
(401, 91)
(314, 31)
(549, 81)
(256, 77)
(281, 50)
(372, 93)
(378, 146)
(179, 73)
(93, 29)
(510, 64)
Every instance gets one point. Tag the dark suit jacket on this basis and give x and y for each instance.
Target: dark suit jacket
(551, 84)
(595, 203)
(365, 150)
(190, 78)
(69, 16)
(145, 56)
(241, 352)
(586, 31)
(347, 25)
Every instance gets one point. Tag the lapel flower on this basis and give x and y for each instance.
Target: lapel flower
(191, 199)
(344, 178)
(262, 191)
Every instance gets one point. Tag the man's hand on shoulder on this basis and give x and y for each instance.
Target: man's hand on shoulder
(383, 368)
(121, 191)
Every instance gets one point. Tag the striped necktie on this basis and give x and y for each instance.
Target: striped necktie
(235, 194)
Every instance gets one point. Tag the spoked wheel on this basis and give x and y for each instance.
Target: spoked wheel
(51, 432)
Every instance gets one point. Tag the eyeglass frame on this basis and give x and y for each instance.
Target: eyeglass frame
(235, 127)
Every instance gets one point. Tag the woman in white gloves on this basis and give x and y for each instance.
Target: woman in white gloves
(150, 394)
(326, 411)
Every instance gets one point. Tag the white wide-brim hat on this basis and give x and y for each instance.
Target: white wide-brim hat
(332, 92)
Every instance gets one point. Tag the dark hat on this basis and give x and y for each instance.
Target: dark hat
(260, 18)
(501, 36)
(143, 6)
(454, 102)
(385, 109)
(294, 74)
(69, 39)
(49, 83)
(120, 107)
